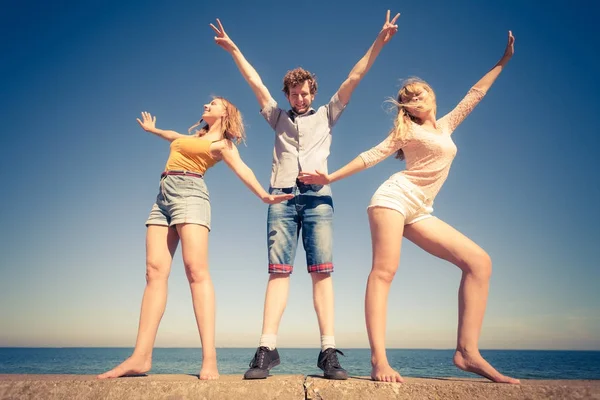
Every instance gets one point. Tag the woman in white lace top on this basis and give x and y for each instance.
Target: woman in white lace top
(402, 206)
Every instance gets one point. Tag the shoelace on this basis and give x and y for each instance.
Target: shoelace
(259, 357)
(331, 360)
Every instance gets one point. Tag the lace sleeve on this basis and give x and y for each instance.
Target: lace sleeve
(382, 151)
(463, 109)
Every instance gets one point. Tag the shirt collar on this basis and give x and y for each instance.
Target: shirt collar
(293, 114)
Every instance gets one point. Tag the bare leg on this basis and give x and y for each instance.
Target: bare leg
(194, 246)
(443, 241)
(161, 243)
(386, 237)
(275, 301)
(323, 301)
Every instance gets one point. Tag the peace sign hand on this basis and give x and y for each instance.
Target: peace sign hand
(389, 27)
(222, 39)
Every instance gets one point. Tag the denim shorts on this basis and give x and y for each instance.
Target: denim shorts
(310, 211)
(182, 199)
(398, 193)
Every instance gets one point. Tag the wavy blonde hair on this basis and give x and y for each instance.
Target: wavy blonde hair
(232, 124)
(402, 122)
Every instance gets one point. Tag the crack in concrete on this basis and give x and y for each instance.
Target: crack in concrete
(306, 386)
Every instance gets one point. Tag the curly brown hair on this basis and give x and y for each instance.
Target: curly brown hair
(298, 76)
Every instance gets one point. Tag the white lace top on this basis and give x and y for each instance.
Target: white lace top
(428, 154)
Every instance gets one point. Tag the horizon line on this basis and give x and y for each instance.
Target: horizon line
(284, 347)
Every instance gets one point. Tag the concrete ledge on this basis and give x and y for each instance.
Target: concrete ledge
(171, 387)
(449, 388)
(176, 387)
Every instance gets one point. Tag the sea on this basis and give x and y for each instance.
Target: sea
(522, 364)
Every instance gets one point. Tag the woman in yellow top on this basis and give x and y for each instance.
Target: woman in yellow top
(182, 212)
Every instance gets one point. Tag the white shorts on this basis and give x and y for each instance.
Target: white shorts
(398, 193)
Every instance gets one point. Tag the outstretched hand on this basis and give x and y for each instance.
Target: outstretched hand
(510, 47)
(148, 122)
(222, 39)
(389, 27)
(277, 198)
(314, 178)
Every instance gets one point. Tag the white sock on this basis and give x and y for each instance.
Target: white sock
(268, 340)
(327, 342)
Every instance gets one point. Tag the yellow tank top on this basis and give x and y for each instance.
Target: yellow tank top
(190, 154)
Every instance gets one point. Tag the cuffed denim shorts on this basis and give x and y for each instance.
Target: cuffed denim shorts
(398, 193)
(182, 199)
(310, 211)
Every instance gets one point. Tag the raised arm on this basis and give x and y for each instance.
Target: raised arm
(364, 160)
(148, 123)
(232, 158)
(247, 70)
(489, 78)
(476, 93)
(364, 64)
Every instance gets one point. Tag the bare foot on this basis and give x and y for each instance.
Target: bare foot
(384, 373)
(209, 369)
(474, 362)
(131, 366)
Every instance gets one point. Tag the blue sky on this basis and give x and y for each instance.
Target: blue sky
(79, 176)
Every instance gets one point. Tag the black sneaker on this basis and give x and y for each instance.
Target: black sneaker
(264, 359)
(330, 365)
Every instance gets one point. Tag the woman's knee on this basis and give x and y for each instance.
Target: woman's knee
(197, 272)
(384, 273)
(478, 264)
(156, 270)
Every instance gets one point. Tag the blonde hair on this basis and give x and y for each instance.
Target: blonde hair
(232, 124)
(402, 122)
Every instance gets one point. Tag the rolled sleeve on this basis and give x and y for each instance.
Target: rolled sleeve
(271, 113)
(334, 109)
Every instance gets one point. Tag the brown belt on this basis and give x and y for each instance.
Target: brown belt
(184, 173)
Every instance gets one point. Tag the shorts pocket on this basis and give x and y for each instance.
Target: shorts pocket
(410, 189)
